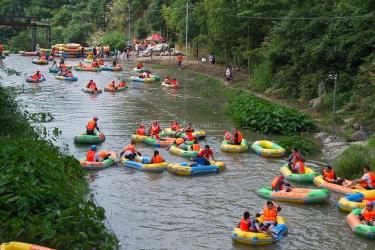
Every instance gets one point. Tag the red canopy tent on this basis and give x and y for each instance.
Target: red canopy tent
(155, 37)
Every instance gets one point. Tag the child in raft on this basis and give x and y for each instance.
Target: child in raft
(157, 158)
(367, 215)
(329, 175)
(279, 183)
(130, 152)
(247, 224)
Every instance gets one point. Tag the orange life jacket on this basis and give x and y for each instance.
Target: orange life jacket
(270, 214)
(93, 86)
(103, 153)
(91, 125)
(244, 225)
(180, 141)
(372, 180)
(329, 175)
(276, 182)
(90, 155)
(154, 129)
(130, 147)
(122, 84)
(175, 127)
(141, 131)
(239, 136)
(157, 159)
(301, 169)
(196, 147)
(368, 215)
(190, 136)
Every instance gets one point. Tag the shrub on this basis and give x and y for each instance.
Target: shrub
(351, 162)
(305, 145)
(248, 111)
(114, 39)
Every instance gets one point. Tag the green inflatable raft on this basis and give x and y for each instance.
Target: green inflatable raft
(84, 138)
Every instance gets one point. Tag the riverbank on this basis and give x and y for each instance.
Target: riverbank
(45, 198)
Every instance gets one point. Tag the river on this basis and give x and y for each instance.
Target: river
(163, 211)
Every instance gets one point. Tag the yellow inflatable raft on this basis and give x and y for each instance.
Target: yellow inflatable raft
(183, 169)
(230, 148)
(14, 245)
(268, 149)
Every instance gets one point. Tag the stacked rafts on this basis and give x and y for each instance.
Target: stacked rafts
(70, 50)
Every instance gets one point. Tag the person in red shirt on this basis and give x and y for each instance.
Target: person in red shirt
(179, 60)
(122, 84)
(207, 153)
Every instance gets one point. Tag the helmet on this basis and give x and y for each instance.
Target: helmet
(95, 118)
(93, 147)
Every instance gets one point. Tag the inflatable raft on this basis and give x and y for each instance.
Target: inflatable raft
(138, 79)
(175, 86)
(296, 195)
(230, 148)
(155, 76)
(200, 134)
(357, 227)
(342, 189)
(183, 169)
(14, 245)
(56, 69)
(93, 165)
(143, 164)
(88, 60)
(88, 68)
(140, 70)
(117, 89)
(307, 177)
(268, 149)
(40, 62)
(181, 152)
(111, 68)
(356, 200)
(91, 91)
(158, 143)
(31, 80)
(84, 138)
(65, 78)
(259, 239)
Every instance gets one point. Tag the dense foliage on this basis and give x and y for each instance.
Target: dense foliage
(44, 197)
(305, 145)
(351, 162)
(253, 113)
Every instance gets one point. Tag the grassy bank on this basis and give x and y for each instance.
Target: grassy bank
(44, 197)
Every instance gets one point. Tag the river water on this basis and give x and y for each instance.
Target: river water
(163, 211)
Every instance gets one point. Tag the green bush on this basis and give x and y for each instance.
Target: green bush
(250, 112)
(44, 199)
(114, 39)
(350, 164)
(305, 145)
(371, 142)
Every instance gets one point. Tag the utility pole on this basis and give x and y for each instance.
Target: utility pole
(129, 22)
(186, 37)
(334, 77)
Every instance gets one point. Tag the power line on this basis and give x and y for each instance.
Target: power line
(304, 18)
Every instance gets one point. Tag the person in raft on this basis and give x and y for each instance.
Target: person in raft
(189, 136)
(200, 160)
(121, 84)
(92, 85)
(195, 147)
(102, 155)
(91, 126)
(37, 75)
(179, 143)
(329, 175)
(292, 159)
(112, 85)
(90, 155)
(174, 82)
(141, 130)
(167, 80)
(139, 65)
(367, 181)
(175, 126)
(247, 224)
(269, 216)
(367, 215)
(130, 151)
(68, 73)
(43, 56)
(155, 130)
(207, 153)
(157, 158)
(279, 183)
(95, 64)
(235, 138)
(79, 65)
(145, 75)
(299, 166)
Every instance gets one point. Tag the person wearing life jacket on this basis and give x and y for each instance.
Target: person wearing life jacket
(93, 86)
(130, 151)
(179, 60)
(141, 130)
(329, 175)
(175, 126)
(42, 56)
(112, 84)
(37, 75)
(270, 216)
(174, 82)
(367, 181)
(200, 160)
(79, 65)
(139, 65)
(247, 224)
(237, 140)
(91, 126)
(62, 65)
(157, 158)
(292, 159)
(189, 127)
(189, 136)
(101, 156)
(299, 166)
(101, 61)
(145, 75)
(95, 64)
(89, 84)
(195, 147)
(279, 183)
(367, 215)
(155, 130)
(122, 84)
(91, 153)
(68, 74)
(207, 153)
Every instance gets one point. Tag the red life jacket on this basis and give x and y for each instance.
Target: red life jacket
(141, 131)
(270, 215)
(239, 136)
(155, 129)
(90, 155)
(245, 225)
(130, 147)
(368, 215)
(157, 159)
(276, 182)
(329, 175)
(189, 136)
(93, 86)
(91, 125)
